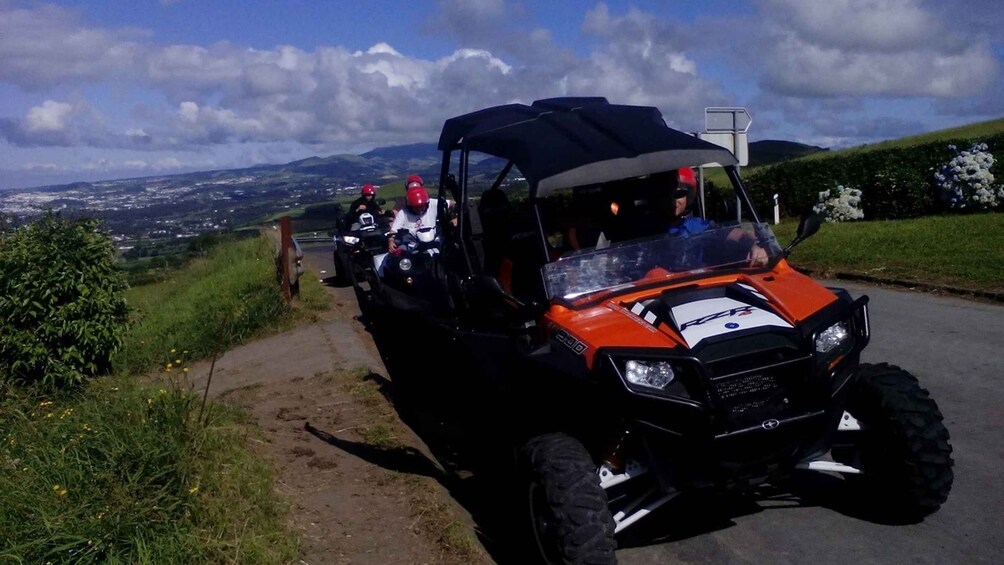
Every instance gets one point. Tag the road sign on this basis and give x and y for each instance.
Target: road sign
(734, 141)
(726, 119)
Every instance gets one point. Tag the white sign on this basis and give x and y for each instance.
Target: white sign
(731, 140)
(726, 119)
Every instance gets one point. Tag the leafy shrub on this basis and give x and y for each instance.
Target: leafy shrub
(840, 204)
(62, 302)
(966, 180)
(909, 171)
(897, 193)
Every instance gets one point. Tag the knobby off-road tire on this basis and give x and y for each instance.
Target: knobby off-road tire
(567, 510)
(903, 451)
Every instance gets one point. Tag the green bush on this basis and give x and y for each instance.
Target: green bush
(62, 302)
(895, 182)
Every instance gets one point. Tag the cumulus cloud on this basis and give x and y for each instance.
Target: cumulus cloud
(48, 45)
(56, 123)
(277, 101)
(870, 47)
(50, 116)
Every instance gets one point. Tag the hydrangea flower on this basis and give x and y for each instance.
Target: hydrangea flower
(966, 181)
(840, 204)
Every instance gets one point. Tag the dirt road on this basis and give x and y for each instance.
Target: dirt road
(362, 486)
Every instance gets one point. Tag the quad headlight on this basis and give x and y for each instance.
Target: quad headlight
(651, 374)
(832, 337)
(350, 239)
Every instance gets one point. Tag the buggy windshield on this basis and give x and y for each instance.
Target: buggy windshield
(618, 267)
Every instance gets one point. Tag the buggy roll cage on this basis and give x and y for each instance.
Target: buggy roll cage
(565, 142)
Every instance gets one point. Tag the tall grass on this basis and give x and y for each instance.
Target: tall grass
(216, 302)
(963, 251)
(123, 473)
(122, 470)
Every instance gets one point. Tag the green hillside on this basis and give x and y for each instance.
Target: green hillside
(981, 130)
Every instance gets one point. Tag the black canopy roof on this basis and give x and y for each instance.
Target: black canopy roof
(563, 142)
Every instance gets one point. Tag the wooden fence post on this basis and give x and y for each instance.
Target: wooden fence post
(285, 245)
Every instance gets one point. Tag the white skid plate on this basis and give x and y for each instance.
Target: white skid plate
(848, 423)
(609, 477)
(829, 466)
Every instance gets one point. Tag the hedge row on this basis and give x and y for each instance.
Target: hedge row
(895, 183)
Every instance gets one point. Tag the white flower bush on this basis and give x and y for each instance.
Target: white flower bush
(966, 181)
(840, 204)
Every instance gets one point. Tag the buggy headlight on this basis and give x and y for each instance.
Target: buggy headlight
(350, 239)
(832, 337)
(404, 264)
(652, 374)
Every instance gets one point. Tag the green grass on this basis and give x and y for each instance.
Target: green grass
(213, 303)
(965, 252)
(123, 473)
(970, 131)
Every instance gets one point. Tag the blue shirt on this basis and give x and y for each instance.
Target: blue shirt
(691, 225)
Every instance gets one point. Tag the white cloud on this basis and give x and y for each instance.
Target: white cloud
(47, 46)
(869, 47)
(50, 116)
(888, 25)
(276, 102)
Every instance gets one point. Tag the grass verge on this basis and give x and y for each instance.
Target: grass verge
(210, 305)
(124, 470)
(124, 473)
(964, 252)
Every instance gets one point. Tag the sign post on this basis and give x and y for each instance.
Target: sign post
(726, 127)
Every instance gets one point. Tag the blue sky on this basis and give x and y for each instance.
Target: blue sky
(109, 89)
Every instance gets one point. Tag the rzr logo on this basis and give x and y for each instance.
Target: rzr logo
(739, 311)
(570, 342)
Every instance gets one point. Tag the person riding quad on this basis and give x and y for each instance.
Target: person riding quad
(365, 203)
(420, 211)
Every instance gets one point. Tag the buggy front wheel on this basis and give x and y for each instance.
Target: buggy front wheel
(902, 448)
(566, 509)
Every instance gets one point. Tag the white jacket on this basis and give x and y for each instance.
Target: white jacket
(408, 220)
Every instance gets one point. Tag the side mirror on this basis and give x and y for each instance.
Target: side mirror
(381, 201)
(808, 226)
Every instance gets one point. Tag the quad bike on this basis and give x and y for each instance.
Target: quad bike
(645, 364)
(356, 244)
(411, 276)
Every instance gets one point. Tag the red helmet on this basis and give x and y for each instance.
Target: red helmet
(417, 197)
(687, 177)
(369, 190)
(412, 180)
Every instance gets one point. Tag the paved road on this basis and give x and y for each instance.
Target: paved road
(956, 348)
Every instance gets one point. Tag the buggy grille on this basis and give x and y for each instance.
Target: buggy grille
(775, 391)
(747, 392)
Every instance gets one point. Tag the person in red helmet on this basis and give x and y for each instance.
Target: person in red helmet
(365, 203)
(682, 190)
(420, 211)
(413, 181)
